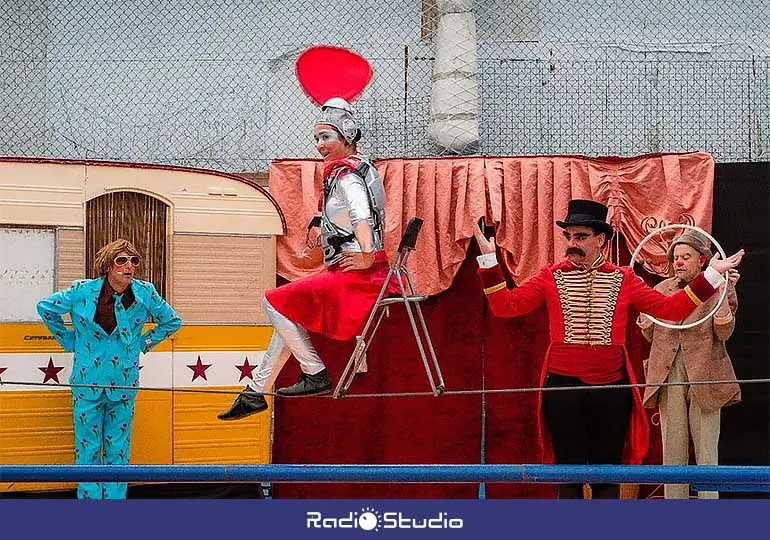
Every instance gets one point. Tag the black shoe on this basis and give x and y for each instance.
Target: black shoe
(247, 403)
(308, 385)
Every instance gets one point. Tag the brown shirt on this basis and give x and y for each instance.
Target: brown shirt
(105, 307)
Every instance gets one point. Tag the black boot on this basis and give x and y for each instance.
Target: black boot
(247, 403)
(308, 385)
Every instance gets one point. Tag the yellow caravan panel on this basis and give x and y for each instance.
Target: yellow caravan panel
(219, 221)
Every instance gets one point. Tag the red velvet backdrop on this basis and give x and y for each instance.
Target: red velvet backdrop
(475, 350)
(522, 196)
(445, 429)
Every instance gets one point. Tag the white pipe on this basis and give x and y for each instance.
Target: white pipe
(454, 107)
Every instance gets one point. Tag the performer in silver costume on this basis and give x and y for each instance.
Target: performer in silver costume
(353, 213)
(351, 220)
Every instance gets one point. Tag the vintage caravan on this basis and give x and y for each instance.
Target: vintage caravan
(208, 240)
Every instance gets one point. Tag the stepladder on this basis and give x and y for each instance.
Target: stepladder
(411, 300)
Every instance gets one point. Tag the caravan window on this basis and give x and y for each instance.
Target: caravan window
(27, 271)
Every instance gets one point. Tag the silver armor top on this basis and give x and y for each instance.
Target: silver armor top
(350, 198)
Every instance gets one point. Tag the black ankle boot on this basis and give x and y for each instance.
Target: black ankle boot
(308, 385)
(247, 403)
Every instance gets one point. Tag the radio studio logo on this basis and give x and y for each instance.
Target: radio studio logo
(370, 519)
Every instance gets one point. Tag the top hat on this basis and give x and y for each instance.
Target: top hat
(694, 239)
(589, 214)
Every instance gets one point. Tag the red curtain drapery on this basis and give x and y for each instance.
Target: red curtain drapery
(521, 197)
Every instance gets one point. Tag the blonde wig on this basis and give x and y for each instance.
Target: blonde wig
(104, 258)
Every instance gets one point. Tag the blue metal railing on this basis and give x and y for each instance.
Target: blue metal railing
(747, 478)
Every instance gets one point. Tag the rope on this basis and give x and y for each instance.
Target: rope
(397, 394)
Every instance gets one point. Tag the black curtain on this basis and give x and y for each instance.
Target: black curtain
(742, 220)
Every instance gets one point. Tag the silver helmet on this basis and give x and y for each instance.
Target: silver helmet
(338, 113)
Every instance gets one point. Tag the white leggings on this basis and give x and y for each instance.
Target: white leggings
(288, 338)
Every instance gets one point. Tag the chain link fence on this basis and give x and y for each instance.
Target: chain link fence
(212, 84)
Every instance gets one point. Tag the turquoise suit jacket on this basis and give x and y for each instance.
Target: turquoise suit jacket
(102, 359)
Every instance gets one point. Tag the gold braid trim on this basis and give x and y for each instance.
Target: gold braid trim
(495, 288)
(695, 300)
(588, 299)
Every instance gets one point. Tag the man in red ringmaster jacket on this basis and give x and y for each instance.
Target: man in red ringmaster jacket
(588, 301)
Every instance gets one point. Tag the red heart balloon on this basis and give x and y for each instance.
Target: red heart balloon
(326, 71)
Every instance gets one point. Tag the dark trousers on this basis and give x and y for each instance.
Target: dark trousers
(587, 427)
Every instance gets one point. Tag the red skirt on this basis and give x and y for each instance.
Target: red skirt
(333, 303)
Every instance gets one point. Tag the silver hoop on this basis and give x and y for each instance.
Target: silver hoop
(724, 289)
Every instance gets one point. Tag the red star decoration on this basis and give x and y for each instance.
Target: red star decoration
(199, 369)
(51, 372)
(1, 371)
(246, 370)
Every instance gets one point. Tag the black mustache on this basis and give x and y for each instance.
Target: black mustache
(574, 250)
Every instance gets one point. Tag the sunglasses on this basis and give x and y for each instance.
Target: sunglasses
(120, 261)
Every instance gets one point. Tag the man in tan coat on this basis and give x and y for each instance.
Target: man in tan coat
(690, 355)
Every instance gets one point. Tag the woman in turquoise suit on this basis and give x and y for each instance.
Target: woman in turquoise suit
(108, 314)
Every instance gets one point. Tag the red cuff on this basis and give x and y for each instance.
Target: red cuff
(700, 288)
(491, 277)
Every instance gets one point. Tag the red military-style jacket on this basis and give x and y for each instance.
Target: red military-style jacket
(591, 307)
